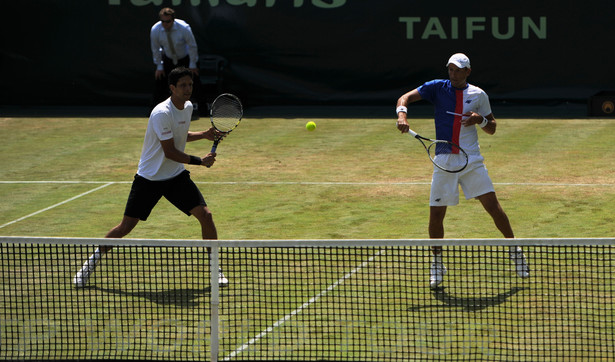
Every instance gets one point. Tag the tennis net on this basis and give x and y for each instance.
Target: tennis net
(331, 300)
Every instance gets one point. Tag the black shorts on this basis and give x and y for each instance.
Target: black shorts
(180, 191)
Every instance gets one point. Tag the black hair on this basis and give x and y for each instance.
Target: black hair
(178, 73)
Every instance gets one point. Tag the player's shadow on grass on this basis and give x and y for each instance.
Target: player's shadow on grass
(469, 304)
(185, 298)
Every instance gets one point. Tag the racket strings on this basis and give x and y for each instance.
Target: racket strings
(226, 113)
(447, 156)
(445, 148)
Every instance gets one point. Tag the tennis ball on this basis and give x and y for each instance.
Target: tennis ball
(310, 126)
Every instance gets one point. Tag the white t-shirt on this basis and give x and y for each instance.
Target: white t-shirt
(165, 122)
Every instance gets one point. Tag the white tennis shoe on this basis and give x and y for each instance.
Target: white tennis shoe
(83, 276)
(516, 255)
(80, 280)
(222, 280)
(436, 272)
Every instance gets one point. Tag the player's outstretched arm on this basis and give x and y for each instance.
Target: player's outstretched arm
(402, 111)
(211, 134)
(172, 153)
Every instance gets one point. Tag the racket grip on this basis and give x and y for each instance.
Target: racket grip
(214, 148)
(215, 145)
(412, 133)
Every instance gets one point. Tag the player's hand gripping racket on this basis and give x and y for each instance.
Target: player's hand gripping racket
(226, 113)
(445, 155)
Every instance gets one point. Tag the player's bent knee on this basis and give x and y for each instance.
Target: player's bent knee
(202, 213)
(490, 202)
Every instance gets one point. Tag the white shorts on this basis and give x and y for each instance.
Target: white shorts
(474, 181)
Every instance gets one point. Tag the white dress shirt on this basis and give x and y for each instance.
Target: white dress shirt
(183, 43)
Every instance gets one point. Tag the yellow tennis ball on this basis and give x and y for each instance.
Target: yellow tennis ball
(310, 126)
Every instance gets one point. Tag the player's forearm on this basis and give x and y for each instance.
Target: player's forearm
(210, 134)
(177, 156)
(403, 101)
(172, 153)
(491, 125)
(182, 157)
(195, 136)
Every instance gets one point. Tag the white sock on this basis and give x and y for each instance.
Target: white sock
(514, 249)
(92, 260)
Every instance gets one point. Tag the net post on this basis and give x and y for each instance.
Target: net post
(214, 264)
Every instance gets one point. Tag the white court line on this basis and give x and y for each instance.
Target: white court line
(323, 183)
(390, 183)
(56, 205)
(301, 308)
(58, 182)
(273, 183)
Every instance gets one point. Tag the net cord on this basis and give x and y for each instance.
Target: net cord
(308, 242)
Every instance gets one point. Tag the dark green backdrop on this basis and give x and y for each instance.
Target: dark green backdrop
(96, 52)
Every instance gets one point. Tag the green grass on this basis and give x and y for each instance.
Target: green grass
(351, 178)
(572, 157)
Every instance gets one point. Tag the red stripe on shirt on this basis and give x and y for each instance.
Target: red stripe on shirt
(457, 121)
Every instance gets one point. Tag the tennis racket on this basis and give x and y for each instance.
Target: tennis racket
(445, 155)
(226, 113)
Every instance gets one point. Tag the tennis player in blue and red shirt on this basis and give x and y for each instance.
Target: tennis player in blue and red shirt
(456, 95)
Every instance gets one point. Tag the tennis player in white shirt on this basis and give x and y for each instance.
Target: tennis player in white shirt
(161, 171)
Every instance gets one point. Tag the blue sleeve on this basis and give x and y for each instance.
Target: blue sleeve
(428, 90)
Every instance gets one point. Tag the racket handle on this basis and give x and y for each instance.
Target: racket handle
(214, 148)
(411, 132)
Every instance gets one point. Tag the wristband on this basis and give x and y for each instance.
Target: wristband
(194, 160)
(484, 123)
(401, 109)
